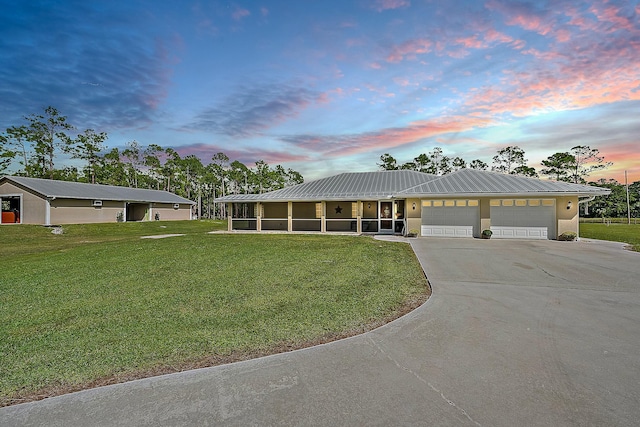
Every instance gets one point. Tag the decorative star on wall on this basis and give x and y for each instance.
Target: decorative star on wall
(338, 209)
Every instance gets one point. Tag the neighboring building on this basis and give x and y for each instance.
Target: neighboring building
(460, 204)
(47, 202)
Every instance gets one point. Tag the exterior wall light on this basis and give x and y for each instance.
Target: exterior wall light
(569, 204)
(413, 206)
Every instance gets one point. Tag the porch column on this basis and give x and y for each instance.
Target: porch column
(323, 218)
(124, 212)
(258, 216)
(359, 217)
(289, 216)
(229, 216)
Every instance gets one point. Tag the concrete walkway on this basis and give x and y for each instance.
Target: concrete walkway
(536, 333)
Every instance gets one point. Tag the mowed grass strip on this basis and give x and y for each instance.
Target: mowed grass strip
(626, 233)
(96, 313)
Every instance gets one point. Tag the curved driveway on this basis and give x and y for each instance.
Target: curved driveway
(538, 333)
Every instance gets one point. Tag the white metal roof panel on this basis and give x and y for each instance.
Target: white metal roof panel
(471, 181)
(360, 185)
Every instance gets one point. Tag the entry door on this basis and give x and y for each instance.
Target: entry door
(386, 217)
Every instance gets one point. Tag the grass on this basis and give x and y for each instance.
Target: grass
(627, 233)
(99, 305)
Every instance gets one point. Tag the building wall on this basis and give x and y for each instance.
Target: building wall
(485, 214)
(33, 207)
(78, 211)
(413, 215)
(568, 219)
(168, 213)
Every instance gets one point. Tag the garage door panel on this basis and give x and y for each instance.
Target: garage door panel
(447, 231)
(450, 221)
(519, 232)
(523, 222)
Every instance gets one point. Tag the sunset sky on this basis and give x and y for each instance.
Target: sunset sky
(326, 87)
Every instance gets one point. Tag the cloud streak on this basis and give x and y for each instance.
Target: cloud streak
(384, 139)
(252, 110)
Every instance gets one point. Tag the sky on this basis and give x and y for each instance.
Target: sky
(325, 87)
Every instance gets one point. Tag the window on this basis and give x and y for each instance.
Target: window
(461, 203)
(494, 202)
(507, 202)
(449, 202)
(472, 203)
(534, 202)
(521, 202)
(548, 202)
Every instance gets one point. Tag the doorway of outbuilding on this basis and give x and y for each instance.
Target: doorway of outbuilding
(11, 209)
(137, 211)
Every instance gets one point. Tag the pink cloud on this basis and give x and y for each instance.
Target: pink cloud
(409, 50)
(342, 145)
(612, 14)
(381, 5)
(471, 42)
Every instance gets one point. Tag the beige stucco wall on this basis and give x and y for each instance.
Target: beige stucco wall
(485, 214)
(413, 216)
(568, 219)
(77, 211)
(33, 206)
(168, 213)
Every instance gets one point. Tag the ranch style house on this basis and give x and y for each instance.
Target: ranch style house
(460, 204)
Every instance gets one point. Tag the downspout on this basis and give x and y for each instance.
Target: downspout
(587, 200)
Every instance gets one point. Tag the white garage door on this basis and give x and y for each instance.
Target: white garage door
(523, 219)
(450, 218)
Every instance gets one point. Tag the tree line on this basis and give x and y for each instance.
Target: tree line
(32, 149)
(574, 165)
(570, 166)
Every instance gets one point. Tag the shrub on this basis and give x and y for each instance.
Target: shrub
(568, 236)
(487, 232)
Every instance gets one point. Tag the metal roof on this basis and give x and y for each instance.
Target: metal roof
(77, 190)
(385, 184)
(472, 181)
(346, 186)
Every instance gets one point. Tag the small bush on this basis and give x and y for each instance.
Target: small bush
(487, 232)
(568, 236)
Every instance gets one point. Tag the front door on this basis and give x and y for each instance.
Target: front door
(386, 217)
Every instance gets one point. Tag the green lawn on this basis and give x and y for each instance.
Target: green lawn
(99, 305)
(614, 232)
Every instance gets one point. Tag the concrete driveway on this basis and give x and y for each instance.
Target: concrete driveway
(530, 333)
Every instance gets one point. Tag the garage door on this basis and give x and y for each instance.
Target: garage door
(523, 218)
(450, 218)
